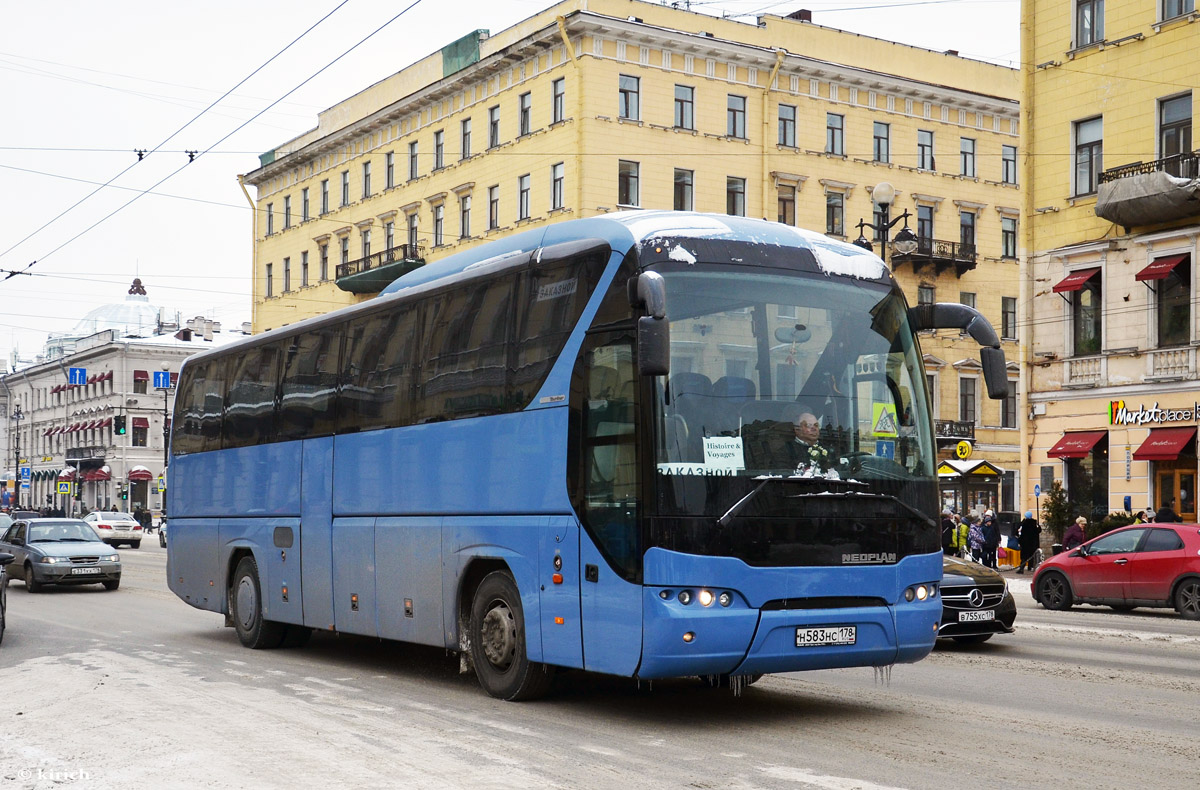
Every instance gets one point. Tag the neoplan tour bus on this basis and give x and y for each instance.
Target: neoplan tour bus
(580, 446)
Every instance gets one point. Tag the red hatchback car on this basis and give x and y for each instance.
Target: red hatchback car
(1139, 565)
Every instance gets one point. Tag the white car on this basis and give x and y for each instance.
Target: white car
(115, 528)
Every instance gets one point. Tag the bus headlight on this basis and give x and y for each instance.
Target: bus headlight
(685, 597)
(725, 599)
(705, 597)
(920, 592)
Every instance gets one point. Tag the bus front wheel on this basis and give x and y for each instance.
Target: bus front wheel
(498, 642)
(245, 604)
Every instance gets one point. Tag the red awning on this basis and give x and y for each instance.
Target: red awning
(1164, 444)
(141, 375)
(107, 421)
(66, 474)
(1075, 280)
(92, 378)
(57, 388)
(1160, 268)
(97, 474)
(108, 376)
(141, 422)
(1076, 444)
(140, 473)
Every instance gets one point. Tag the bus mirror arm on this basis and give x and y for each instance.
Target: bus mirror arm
(650, 293)
(948, 315)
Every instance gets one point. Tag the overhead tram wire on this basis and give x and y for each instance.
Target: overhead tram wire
(156, 148)
(246, 123)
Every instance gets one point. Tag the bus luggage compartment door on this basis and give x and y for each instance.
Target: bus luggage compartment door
(560, 580)
(612, 615)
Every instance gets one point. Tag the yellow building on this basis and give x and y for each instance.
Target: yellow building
(596, 106)
(1112, 222)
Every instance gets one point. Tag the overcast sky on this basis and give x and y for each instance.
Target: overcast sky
(85, 84)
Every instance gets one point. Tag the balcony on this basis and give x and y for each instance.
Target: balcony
(1149, 193)
(1085, 372)
(953, 430)
(85, 454)
(940, 254)
(372, 274)
(1171, 364)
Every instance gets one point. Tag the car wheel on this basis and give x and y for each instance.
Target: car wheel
(497, 640)
(245, 604)
(1187, 599)
(162, 539)
(136, 544)
(112, 585)
(31, 584)
(974, 639)
(1054, 592)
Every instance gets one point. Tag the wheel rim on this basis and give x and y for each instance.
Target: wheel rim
(247, 602)
(28, 576)
(498, 635)
(1053, 591)
(1189, 598)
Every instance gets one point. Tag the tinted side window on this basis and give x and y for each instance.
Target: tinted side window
(1163, 540)
(379, 374)
(309, 393)
(551, 297)
(250, 406)
(1121, 542)
(464, 372)
(214, 405)
(185, 427)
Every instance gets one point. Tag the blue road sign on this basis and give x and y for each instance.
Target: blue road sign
(77, 376)
(885, 449)
(162, 380)
(1037, 490)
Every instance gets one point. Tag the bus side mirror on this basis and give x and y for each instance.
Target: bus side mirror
(654, 346)
(949, 315)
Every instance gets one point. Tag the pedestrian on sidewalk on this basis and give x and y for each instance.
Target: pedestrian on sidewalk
(1030, 541)
(974, 537)
(1075, 534)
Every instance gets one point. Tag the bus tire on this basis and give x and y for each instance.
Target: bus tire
(245, 604)
(497, 641)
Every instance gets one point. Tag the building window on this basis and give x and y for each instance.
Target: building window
(967, 298)
(880, 216)
(439, 149)
(413, 161)
(464, 217)
(304, 269)
(493, 207)
(439, 220)
(1008, 410)
(523, 197)
(683, 190)
(925, 150)
(413, 238)
(627, 183)
(925, 294)
(325, 196)
(389, 236)
(1089, 154)
(835, 210)
(966, 157)
(924, 223)
(556, 186)
(966, 230)
(270, 218)
(932, 385)
(787, 125)
(287, 274)
(324, 248)
(493, 126)
(1174, 300)
(882, 142)
(628, 99)
(735, 196)
(735, 116)
(389, 169)
(270, 280)
(966, 399)
(345, 188)
(365, 240)
(366, 180)
(835, 129)
(304, 205)
(1086, 314)
(344, 244)
(558, 100)
(524, 120)
(1174, 8)
(787, 204)
(466, 138)
(139, 434)
(1008, 237)
(685, 96)
(1008, 317)
(287, 212)
(1008, 164)
(1089, 22)
(1175, 129)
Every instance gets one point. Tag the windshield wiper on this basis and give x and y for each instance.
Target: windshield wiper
(44, 540)
(81, 540)
(873, 495)
(741, 503)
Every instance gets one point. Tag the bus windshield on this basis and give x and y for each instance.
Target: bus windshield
(794, 428)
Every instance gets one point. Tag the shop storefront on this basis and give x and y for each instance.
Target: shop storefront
(972, 486)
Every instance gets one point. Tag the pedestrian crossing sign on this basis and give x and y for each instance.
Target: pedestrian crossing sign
(64, 487)
(883, 420)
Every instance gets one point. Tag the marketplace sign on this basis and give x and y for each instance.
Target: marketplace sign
(1120, 414)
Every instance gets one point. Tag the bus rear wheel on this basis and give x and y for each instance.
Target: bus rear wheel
(245, 604)
(498, 642)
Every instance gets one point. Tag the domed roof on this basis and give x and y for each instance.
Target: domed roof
(134, 317)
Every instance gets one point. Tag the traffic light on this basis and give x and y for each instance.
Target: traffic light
(119, 425)
(124, 489)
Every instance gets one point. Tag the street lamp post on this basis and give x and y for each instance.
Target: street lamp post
(17, 417)
(905, 241)
(166, 391)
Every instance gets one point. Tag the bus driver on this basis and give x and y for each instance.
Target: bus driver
(805, 451)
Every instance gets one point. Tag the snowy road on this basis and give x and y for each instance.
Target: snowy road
(135, 689)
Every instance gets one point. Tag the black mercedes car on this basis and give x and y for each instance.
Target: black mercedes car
(976, 602)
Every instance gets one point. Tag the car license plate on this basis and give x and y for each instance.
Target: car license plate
(973, 617)
(85, 570)
(826, 635)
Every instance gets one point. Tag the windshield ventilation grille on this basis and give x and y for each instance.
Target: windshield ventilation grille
(833, 602)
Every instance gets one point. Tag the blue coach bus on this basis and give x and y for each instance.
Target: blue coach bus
(577, 447)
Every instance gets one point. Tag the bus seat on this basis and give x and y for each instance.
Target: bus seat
(691, 400)
(729, 393)
(766, 428)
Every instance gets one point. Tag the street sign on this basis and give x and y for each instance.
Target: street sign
(64, 487)
(1037, 490)
(162, 380)
(25, 478)
(77, 376)
(962, 450)
(162, 484)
